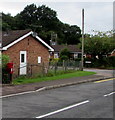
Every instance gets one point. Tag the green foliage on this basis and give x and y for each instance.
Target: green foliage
(65, 51)
(111, 61)
(64, 57)
(106, 62)
(8, 22)
(78, 59)
(58, 76)
(72, 34)
(64, 54)
(5, 75)
(5, 60)
(42, 20)
(99, 44)
(55, 60)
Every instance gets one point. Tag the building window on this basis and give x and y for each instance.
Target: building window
(22, 58)
(39, 59)
(56, 55)
(75, 55)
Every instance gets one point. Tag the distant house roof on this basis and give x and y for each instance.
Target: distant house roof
(113, 53)
(71, 48)
(10, 38)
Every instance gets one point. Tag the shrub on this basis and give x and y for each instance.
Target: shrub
(64, 54)
(111, 61)
(50, 74)
(5, 60)
(5, 75)
(105, 62)
(64, 57)
(77, 59)
(55, 60)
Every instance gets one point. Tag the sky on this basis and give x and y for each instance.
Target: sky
(98, 15)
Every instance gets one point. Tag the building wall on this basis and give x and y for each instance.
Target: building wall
(33, 49)
(73, 55)
(113, 54)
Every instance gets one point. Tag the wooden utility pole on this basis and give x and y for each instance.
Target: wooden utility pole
(82, 58)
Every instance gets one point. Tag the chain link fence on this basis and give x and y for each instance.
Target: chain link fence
(38, 70)
(43, 69)
(64, 66)
(32, 69)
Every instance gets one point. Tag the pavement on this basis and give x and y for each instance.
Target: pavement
(45, 85)
(103, 72)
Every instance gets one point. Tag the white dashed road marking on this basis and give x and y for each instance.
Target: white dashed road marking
(63, 109)
(109, 94)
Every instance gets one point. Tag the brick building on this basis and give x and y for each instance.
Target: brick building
(74, 51)
(24, 48)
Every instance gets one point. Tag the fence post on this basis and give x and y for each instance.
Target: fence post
(63, 64)
(113, 72)
(74, 65)
(55, 67)
(18, 71)
(31, 70)
(80, 66)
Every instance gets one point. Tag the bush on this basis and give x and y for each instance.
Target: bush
(64, 57)
(64, 54)
(5, 75)
(77, 59)
(5, 60)
(111, 61)
(105, 62)
(50, 74)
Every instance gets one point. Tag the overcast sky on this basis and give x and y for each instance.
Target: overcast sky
(98, 14)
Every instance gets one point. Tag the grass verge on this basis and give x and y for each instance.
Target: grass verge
(25, 80)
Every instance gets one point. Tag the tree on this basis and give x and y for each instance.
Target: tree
(47, 17)
(64, 54)
(28, 17)
(8, 22)
(42, 20)
(99, 44)
(37, 17)
(72, 34)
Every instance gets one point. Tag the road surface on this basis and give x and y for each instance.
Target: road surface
(88, 100)
(104, 72)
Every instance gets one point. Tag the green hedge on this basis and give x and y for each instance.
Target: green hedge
(5, 75)
(105, 62)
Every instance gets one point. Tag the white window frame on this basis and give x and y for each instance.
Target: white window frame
(39, 59)
(56, 55)
(25, 54)
(75, 55)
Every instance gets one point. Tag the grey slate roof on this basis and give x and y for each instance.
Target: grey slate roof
(10, 36)
(71, 48)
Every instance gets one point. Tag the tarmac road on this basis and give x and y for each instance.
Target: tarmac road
(88, 100)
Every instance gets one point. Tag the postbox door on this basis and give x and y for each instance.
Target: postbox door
(23, 62)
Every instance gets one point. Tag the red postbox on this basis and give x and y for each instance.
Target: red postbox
(10, 68)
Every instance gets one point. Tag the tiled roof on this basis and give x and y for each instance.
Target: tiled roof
(10, 36)
(71, 48)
